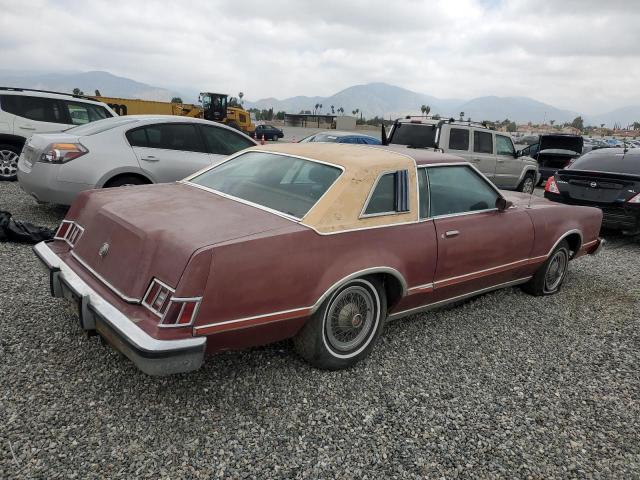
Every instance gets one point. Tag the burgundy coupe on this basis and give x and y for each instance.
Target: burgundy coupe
(322, 243)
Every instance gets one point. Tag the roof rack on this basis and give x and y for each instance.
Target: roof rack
(450, 120)
(19, 89)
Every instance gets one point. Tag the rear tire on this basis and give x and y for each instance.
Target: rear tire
(550, 276)
(528, 184)
(345, 327)
(9, 155)
(124, 181)
(275, 137)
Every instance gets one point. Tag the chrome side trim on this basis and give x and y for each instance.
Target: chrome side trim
(441, 303)
(524, 261)
(462, 214)
(254, 317)
(565, 235)
(103, 280)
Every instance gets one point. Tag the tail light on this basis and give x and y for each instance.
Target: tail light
(551, 186)
(62, 152)
(173, 311)
(69, 232)
(634, 199)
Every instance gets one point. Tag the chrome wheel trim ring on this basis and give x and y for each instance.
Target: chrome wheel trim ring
(556, 270)
(342, 312)
(8, 163)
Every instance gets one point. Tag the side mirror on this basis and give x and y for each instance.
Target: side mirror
(503, 204)
(517, 153)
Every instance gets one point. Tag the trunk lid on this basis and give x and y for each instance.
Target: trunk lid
(132, 234)
(567, 143)
(597, 187)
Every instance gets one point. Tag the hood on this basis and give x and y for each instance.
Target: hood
(523, 199)
(572, 143)
(152, 231)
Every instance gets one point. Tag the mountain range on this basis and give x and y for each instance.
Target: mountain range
(381, 99)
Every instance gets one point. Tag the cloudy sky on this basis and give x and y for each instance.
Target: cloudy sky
(578, 54)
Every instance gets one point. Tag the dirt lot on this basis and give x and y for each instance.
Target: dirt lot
(503, 386)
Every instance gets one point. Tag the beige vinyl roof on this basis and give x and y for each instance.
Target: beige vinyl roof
(340, 208)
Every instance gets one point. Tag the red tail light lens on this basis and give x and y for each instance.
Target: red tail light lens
(551, 186)
(634, 199)
(173, 311)
(69, 231)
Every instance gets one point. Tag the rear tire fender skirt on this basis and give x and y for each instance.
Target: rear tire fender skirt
(359, 274)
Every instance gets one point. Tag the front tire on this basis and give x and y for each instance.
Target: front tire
(345, 327)
(9, 155)
(550, 276)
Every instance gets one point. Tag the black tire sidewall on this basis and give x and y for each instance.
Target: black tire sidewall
(536, 286)
(122, 181)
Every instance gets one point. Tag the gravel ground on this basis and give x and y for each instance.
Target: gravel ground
(504, 386)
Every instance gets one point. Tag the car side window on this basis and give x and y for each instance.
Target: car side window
(39, 109)
(458, 189)
(137, 137)
(82, 113)
(423, 192)
(390, 194)
(504, 146)
(221, 141)
(459, 139)
(482, 142)
(174, 136)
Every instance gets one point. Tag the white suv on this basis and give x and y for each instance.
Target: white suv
(24, 112)
(490, 151)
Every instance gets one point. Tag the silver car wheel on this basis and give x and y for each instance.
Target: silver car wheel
(350, 319)
(528, 185)
(556, 270)
(8, 164)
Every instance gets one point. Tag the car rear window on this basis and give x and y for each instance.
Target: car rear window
(324, 137)
(613, 161)
(100, 126)
(417, 135)
(286, 184)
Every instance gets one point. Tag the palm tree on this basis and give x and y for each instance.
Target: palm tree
(341, 111)
(461, 115)
(315, 109)
(333, 112)
(240, 95)
(320, 107)
(425, 109)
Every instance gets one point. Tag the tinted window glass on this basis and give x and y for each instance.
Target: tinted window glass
(457, 190)
(324, 137)
(504, 145)
(482, 142)
(224, 142)
(614, 161)
(82, 113)
(174, 136)
(423, 187)
(287, 184)
(459, 139)
(137, 137)
(383, 198)
(414, 134)
(100, 126)
(34, 108)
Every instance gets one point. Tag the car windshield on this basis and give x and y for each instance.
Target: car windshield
(100, 126)
(611, 161)
(287, 184)
(417, 135)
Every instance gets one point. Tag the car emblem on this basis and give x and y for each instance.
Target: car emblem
(593, 184)
(104, 249)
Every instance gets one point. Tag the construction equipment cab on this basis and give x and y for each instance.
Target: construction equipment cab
(490, 151)
(215, 107)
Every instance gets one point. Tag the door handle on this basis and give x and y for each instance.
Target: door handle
(150, 158)
(451, 233)
(500, 161)
(476, 159)
(27, 127)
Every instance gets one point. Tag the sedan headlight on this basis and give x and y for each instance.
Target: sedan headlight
(63, 152)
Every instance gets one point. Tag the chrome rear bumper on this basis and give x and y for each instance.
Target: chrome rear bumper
(149, 354)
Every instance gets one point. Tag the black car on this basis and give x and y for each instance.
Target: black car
(554, 152)
(269, 131)
(608, 178)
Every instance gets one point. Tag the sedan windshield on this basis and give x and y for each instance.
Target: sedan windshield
(289, 185)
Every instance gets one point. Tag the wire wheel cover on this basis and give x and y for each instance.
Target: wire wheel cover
(556, 270)
(350, 318)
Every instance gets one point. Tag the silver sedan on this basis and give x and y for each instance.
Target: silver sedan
(130, 150)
